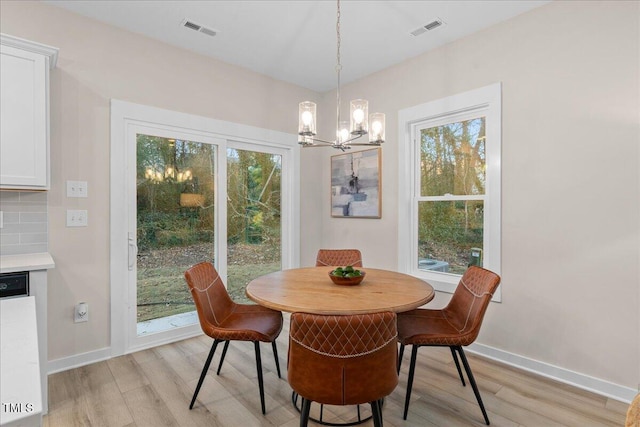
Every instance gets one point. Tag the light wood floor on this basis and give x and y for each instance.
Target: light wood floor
(153, 388)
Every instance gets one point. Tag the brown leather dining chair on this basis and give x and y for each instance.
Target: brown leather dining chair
(455, 326)
(224, 320)
(339, 257)
(343, 360)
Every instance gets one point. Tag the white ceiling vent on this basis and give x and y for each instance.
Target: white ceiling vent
(199, 28)
(428, 27)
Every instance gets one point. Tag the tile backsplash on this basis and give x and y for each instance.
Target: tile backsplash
(24, 228)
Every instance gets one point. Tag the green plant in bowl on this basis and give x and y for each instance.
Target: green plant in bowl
(346, 275)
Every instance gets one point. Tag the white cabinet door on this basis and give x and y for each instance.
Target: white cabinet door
(24, 119)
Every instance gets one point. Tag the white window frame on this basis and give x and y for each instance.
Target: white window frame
(485, 101)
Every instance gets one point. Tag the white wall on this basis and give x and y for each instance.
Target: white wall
(570, 184)
(96, 63)
(570, 71)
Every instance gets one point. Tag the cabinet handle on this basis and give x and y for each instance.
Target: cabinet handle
(133, 250)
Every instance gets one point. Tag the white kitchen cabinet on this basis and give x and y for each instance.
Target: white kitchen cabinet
(24, 113)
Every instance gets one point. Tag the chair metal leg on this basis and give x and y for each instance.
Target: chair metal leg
(376, 412)
(455, 359)
(204, 371)
(275, 355)
(412, 368)
(304, 412)
(224, 353)
(259, 368)
(401, 353)
(467, 368)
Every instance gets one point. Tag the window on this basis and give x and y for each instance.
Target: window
(449, 208)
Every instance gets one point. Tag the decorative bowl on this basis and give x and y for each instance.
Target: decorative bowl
(347, 281)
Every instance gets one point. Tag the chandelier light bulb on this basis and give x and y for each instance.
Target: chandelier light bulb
(307, 118)
(342, 133)
(377, 128)
(358, 116)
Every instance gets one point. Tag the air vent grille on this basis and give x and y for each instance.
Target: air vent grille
(428, 27)
(199, 28)
(191, 25)
(433, 25)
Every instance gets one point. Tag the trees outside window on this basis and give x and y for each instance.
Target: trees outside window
(450, 186)
(452, 167)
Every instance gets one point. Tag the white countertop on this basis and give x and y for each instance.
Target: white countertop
(19, 363)
(26, 262)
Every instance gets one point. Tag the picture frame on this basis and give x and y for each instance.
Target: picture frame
(356, 184)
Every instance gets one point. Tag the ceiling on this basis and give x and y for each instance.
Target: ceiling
(295, 41)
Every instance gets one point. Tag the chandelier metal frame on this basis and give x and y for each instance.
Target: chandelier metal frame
(359, 122)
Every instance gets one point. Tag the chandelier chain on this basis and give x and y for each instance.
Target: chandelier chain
(338, 68)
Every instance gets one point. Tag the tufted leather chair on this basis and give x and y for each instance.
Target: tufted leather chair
(224, 320)
(455, 326)
(339, 257)
(343, 360)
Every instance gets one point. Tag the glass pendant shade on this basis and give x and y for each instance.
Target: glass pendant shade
(307, 118)
(359, 116)
(342, 133)
(376, 135)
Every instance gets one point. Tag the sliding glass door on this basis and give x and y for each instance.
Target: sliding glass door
(254, 215)
(183, 191)
(175, 224)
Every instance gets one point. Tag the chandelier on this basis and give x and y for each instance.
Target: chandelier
(360, 123)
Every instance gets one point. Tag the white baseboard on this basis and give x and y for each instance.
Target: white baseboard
(78, 360)
(586, 382)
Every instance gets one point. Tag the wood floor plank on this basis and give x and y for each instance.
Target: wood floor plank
(153, 387)
(148, 409)
(176, 394)
(106, 406)
(126, 372)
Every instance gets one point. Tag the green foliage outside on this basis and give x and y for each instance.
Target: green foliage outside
(452, 167)
(176, 181)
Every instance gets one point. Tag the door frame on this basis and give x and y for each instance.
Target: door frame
(128, 118)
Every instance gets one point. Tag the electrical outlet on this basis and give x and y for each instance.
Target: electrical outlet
(77, 189)
(77, 218)
(81, 312)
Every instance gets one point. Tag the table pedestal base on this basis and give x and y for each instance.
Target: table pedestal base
(360, 420)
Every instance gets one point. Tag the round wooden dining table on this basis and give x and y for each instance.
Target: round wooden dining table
(310, 290)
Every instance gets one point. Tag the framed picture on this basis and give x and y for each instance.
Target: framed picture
(356, 184)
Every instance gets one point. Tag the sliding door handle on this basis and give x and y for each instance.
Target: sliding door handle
(132, 250)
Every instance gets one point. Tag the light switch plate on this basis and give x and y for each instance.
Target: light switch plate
(77, 218)
(77, 189)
